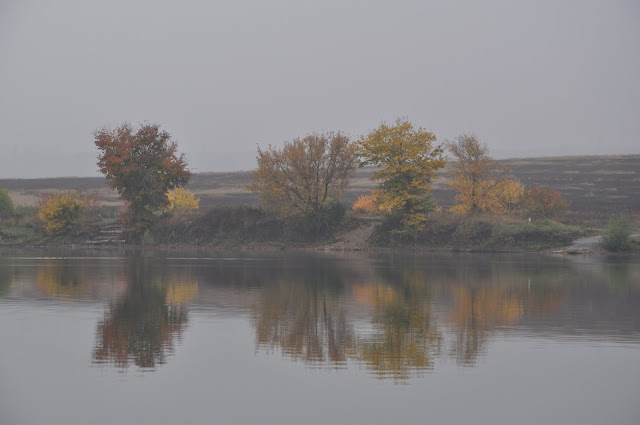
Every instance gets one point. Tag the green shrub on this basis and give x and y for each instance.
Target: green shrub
(6, 204)
(147, 239)
(238, 224)
(472, 232)
(477, 232)
(23, 211)
(321, 221)
(617, 236)
(535, 235)
(390, 232)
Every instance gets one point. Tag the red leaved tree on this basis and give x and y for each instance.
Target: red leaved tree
(544, 202)
(142, 165)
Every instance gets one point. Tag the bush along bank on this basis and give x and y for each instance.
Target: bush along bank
(252, 227)
(244, 226)
(477, 233)
(618, 235)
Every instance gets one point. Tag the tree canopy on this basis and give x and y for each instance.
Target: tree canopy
(481, 185)
(182, 200)
(6, 204)
(305, 176)
(544, 202)
(409, 159)
(60, 212)
(142, 165)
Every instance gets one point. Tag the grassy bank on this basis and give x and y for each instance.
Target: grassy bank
(224, 226)
(23, 228)
(477, 232)
(250, 227)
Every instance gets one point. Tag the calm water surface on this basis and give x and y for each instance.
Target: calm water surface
(151, 337)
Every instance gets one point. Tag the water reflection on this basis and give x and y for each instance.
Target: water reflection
(396, 316)
(78, 278)
(5, 281)
(62, 279)
(303, 314)
(405, 337)
(419, 310)
(476, 311)
(142, 326)
(487, 296)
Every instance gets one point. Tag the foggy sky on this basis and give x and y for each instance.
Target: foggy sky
(530, 78)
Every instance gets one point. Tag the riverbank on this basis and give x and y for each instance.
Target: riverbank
(251, 229)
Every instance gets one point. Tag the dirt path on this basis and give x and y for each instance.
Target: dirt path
(354, 237)
(588, 245)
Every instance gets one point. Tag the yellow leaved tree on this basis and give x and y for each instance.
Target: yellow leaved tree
(510, 195)
(481, 185)
(409, 159)
(367, 204)
(60, 212)
(181, 200)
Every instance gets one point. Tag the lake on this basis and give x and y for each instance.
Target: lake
(204, 337)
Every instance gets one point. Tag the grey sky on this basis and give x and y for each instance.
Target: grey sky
(531, 78)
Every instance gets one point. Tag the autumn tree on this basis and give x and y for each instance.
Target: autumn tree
(142, 165)
(480, 184)
(182, 200)
(305, 177)
(544, 202)
(408, 158)
(60, 212)
(367, 204)
(510, 195)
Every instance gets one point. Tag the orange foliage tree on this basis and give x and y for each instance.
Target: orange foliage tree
(305, 176)
(481, 185)
(367, 204)
(142, 165)
(544, 202)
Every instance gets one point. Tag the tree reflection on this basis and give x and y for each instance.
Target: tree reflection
(405, 337)
(68, 278)
(487, 296)
(477, 311)
(302, 314)
(61, 279)
(5, 282)
(395, 315)
(143, 326)
(620, 275)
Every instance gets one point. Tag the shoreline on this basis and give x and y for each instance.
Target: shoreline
(564, 251)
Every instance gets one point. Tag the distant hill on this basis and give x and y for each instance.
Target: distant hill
(590, 183)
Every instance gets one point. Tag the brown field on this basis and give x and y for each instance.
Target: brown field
(599, 184)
